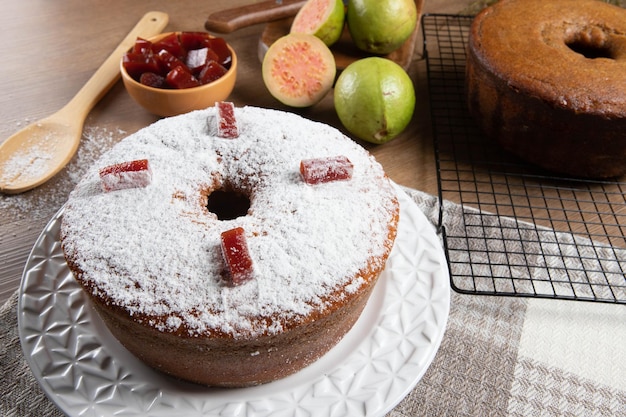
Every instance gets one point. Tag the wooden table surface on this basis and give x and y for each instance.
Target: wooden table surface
(51, 49)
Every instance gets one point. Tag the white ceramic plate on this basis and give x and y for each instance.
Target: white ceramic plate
(86, 372)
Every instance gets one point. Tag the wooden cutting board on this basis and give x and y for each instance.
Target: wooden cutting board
(278, 18)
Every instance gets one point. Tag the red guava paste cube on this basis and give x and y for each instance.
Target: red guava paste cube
(171, 43)
(211, 72)
(226, 121)
(138, 63)
(194, 40)
(168, 61)
(152, 80)
(198, 59)
(236, 255)
(142, 46)
(219, 46)
(131, 174)
(332, 168)
(181, 77)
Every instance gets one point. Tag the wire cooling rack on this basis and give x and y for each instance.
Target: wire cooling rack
(524, 232)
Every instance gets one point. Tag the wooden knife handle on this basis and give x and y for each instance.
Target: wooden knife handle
(229, 20)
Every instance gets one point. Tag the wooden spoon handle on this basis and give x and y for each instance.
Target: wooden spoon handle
(229, 20)
(151, 24)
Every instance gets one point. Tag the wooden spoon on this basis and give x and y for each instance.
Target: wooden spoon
(36, 153)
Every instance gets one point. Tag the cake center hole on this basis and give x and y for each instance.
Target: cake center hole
(589, 50)
(591, 42)
(228, 205)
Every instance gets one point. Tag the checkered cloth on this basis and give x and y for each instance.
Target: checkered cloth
(499, 357)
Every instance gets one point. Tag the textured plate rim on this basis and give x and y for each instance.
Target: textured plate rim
(388, 350)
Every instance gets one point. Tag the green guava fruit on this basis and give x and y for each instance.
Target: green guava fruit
(381, 26)
(298, 70)
(322, 18)
(374, 99)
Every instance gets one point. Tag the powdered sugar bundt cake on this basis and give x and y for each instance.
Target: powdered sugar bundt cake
(547, 80)
(231, 246)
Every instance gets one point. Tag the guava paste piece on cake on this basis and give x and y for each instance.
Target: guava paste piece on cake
(319, 170)
(130, 174)
(237, 256)
(226, 121)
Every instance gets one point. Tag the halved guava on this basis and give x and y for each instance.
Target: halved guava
(322, 18)
(298, 70)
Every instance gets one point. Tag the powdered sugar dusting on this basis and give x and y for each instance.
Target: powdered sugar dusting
(25, 164)
(45, 200)
(157, 249)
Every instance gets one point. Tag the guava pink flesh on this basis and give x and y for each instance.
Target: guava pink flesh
(299, 70)
(317, 11)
